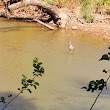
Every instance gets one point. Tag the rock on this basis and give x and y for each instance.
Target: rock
(2, 5)
(64, 19)
(74, 28)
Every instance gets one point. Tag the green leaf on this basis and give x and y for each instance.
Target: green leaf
(36, 83)
(92, 82)
(92, 90)
(40, 74)
(88, 89)
(84, 87)
(104, 71)
(29, 90)
(29, 81)
(35, 70)
(35, 60)
(40, 63)
(95, 85)
(108, 53)
(23, 87)
(10, 95)
(35, 87)
(101, 81)
(41, 70)
(3, 99)
(105, 57)
(101, 87)
(18, 88)
(24, 77)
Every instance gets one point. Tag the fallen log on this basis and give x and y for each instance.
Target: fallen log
(52, 10)
(33, 20)
(44, 24)
(2, 12)
(61, 18)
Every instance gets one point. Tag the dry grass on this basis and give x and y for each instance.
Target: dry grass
(67, 3)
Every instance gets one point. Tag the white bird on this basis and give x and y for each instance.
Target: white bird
(70, 46)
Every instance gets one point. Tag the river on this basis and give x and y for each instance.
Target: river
(65, 73)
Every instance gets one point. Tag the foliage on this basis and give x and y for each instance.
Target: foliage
(90, 7)
(85, 3)
(89, 19)
(87, 11)
(66, 3)
(105, 57)
(2, 99)
(48, 1)
(26, 83)
(98, 85)
(97, 6)
(102, 6)
(87, 16)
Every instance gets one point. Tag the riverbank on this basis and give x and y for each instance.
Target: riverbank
(99, 28)
(70, 19)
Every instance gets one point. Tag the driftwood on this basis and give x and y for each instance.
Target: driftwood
(33, 20)
(52, 10)
(44, 24)
(62, 19)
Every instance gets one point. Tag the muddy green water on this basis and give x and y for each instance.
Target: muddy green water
(65, 73)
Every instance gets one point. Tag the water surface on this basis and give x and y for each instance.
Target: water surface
(65, 73)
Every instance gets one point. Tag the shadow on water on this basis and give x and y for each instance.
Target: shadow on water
(16, 28)
(20, 103)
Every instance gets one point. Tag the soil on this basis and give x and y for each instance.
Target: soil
(99, 28)
(71, 19)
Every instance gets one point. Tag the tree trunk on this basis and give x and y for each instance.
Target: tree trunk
(63, 19)
(52, 10)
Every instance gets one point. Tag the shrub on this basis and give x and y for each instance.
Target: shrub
(89, 19)
(48, 1)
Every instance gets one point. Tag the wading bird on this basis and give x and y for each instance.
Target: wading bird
(70, 46)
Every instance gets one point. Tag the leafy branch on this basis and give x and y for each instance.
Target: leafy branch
(26, 83)
(98, 85)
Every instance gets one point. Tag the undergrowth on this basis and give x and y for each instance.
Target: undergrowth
(91, 7)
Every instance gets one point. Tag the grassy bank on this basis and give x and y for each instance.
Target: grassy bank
(89, 7)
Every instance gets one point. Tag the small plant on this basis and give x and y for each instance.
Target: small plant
(86, 14)
(26, 83)
(89, 19)
(87, 11)
(85, 3)
(48, 1)
(99, 85)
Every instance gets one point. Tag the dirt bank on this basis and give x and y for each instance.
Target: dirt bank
(99, 28)
(70, 19)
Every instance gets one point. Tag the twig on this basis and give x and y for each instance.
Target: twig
(99, 94)
(17, 95)
(44, 24)
(12, 100)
